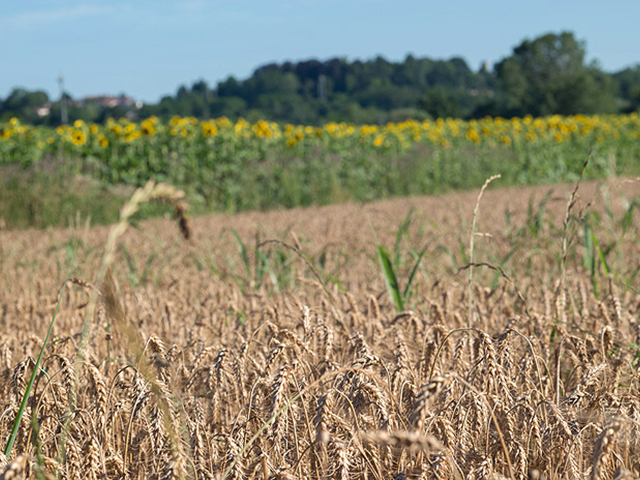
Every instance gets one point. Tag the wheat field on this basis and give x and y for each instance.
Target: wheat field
(269, 345)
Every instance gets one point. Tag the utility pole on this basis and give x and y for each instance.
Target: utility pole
(64, 118)
(207, 103)
(322, 88)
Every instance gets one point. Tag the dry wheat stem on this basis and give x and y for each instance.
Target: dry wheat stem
(474, 223)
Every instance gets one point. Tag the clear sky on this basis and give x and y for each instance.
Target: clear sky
(147, 48)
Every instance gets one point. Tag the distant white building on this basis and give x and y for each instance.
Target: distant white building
(101, 101)
(44, 110)
(110, 101)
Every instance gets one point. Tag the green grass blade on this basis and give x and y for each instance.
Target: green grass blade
(403, 229)
(632, 279)
(462, 247)
(144, 278)
(243, 253)
(589, 250)
(454, 262)
(407, 289)
(27, 392)
(259, 263)
(132, 269)
(627, 220)
(601, 255)
(269, 269)
(336, 282)
(390, 278)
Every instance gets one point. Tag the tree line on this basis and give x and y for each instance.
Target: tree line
(546, 75)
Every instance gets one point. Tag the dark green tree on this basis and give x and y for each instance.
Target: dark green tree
(628, 81)
(543, 76)
(548, 75)
(438, 103)
(22, 103)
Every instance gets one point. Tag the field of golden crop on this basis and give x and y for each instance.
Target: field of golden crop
(270, 346)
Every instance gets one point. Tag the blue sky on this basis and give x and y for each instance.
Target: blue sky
(148, 48)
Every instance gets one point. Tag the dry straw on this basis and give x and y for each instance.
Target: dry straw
(472, 237)
(200, 377)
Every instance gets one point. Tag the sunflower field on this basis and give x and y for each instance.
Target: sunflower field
(229, 165)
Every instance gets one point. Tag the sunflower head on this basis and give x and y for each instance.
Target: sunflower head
(78, 137)
(148, 127)
(209, 129)
(103, 141)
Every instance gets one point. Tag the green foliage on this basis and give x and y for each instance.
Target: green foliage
(628, 82)
(50, 195)
(440, 104)
(249, 177)
(398, 295)
(22, 103)
(548, 75)
(40, 199)
(49, 175)
(594, 255)
(260, 264)
(389, 265)
(627, 219)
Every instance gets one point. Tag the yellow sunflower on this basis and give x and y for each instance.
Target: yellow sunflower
(78, 137)
(103, 141)
(147, 127)
(209, 129)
